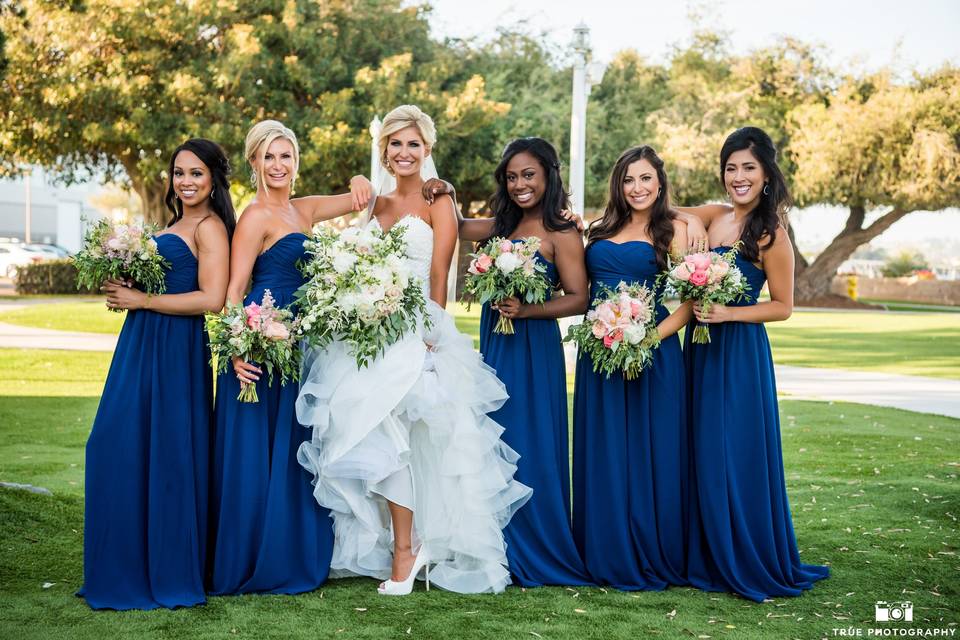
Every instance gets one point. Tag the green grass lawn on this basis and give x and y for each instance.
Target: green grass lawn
(873, 491)
(923, 344)
(89, 315)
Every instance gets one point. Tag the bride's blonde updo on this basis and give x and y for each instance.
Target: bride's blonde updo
(259, 138)
(406, 115)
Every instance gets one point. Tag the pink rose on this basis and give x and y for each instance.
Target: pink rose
(253, 315)
(472, 269)
(635, 308)
(721, 267)
(506, 246)
(699, 261)
(599, 331)
(698, 278)
(484, 262)
(682, 272)
(608, 341)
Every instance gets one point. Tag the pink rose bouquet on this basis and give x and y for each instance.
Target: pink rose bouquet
(503, 269)
(620, 332)
(709, 278)
(260, 333)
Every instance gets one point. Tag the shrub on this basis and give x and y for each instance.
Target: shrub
(52, 276)
(903, 264)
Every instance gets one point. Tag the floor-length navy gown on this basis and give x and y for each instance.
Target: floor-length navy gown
(630, 449)
(268, 533)
(741, 533)
(540, 547)
(145, 518)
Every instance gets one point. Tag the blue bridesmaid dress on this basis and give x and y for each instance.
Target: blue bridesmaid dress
(268, 533)
(741, 534)
(145, 519)
(540, 547)
(630, 452)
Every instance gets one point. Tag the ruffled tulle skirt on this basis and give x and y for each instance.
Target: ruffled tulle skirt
(412, 428)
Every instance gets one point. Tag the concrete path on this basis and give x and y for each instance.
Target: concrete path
(19, 337)
(912, 393)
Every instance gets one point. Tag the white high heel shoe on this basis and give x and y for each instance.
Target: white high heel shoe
(405, 587)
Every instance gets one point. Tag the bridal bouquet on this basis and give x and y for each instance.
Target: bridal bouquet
(120, 251)
(359, 290)
(620, 332)
(503, 269)
(709, 278)
(260, 333)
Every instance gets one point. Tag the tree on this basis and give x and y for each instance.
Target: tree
(880, 147)
(905, 263)
(110, 86)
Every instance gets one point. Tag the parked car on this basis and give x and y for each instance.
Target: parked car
(13, 256)
(53, 251)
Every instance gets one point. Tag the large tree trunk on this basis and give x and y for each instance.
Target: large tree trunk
(814, 280)
(151, 194)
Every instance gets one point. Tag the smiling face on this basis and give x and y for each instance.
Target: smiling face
(641, 185)
(743, 178)
(406, 152)
(192, 181)
(526, 180)
(278, 168)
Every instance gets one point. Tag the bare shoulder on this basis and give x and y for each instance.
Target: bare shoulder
(253, 214)
(211, 231)
(442, 209)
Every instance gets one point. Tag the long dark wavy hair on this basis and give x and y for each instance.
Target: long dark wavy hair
(213, 156)
(762, 222)
(507, 214)
(618, 211)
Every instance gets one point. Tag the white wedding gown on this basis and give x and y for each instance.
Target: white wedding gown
(412, 428)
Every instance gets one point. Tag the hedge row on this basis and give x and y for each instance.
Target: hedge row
(52, 276)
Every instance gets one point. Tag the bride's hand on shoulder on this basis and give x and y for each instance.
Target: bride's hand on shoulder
(361, 190)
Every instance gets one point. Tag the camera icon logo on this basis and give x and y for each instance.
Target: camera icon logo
(894, 611)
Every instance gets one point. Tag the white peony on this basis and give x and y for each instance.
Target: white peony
(343, 261)
(507, 262)
(633, 334)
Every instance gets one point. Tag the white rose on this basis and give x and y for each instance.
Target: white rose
(349, 235)
(507, 262)
(633, 334)
(343, 262)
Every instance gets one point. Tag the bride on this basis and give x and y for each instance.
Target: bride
(403, 453)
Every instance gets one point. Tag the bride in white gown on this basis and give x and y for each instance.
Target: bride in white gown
(403, 453)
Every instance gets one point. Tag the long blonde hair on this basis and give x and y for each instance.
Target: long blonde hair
(406, 115)
(259, 138)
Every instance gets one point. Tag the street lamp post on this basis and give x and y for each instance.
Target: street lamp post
(578, 114)
(585, 75)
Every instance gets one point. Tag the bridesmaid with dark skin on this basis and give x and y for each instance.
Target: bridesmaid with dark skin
(529, 202)
(145, 520)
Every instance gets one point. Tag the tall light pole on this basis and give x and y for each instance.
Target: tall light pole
(578, 114)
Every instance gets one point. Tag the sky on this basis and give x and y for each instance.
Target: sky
(854, 34)
(921, 34)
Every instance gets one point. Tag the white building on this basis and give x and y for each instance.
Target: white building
(48, 212)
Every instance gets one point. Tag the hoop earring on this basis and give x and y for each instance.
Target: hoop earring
(212, 191)
(659, 189)
(766, 189)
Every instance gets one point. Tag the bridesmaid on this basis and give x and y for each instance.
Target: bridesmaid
(630, 445)
(741, 534)
(528, 202)
(268, 534)
(145, 521)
